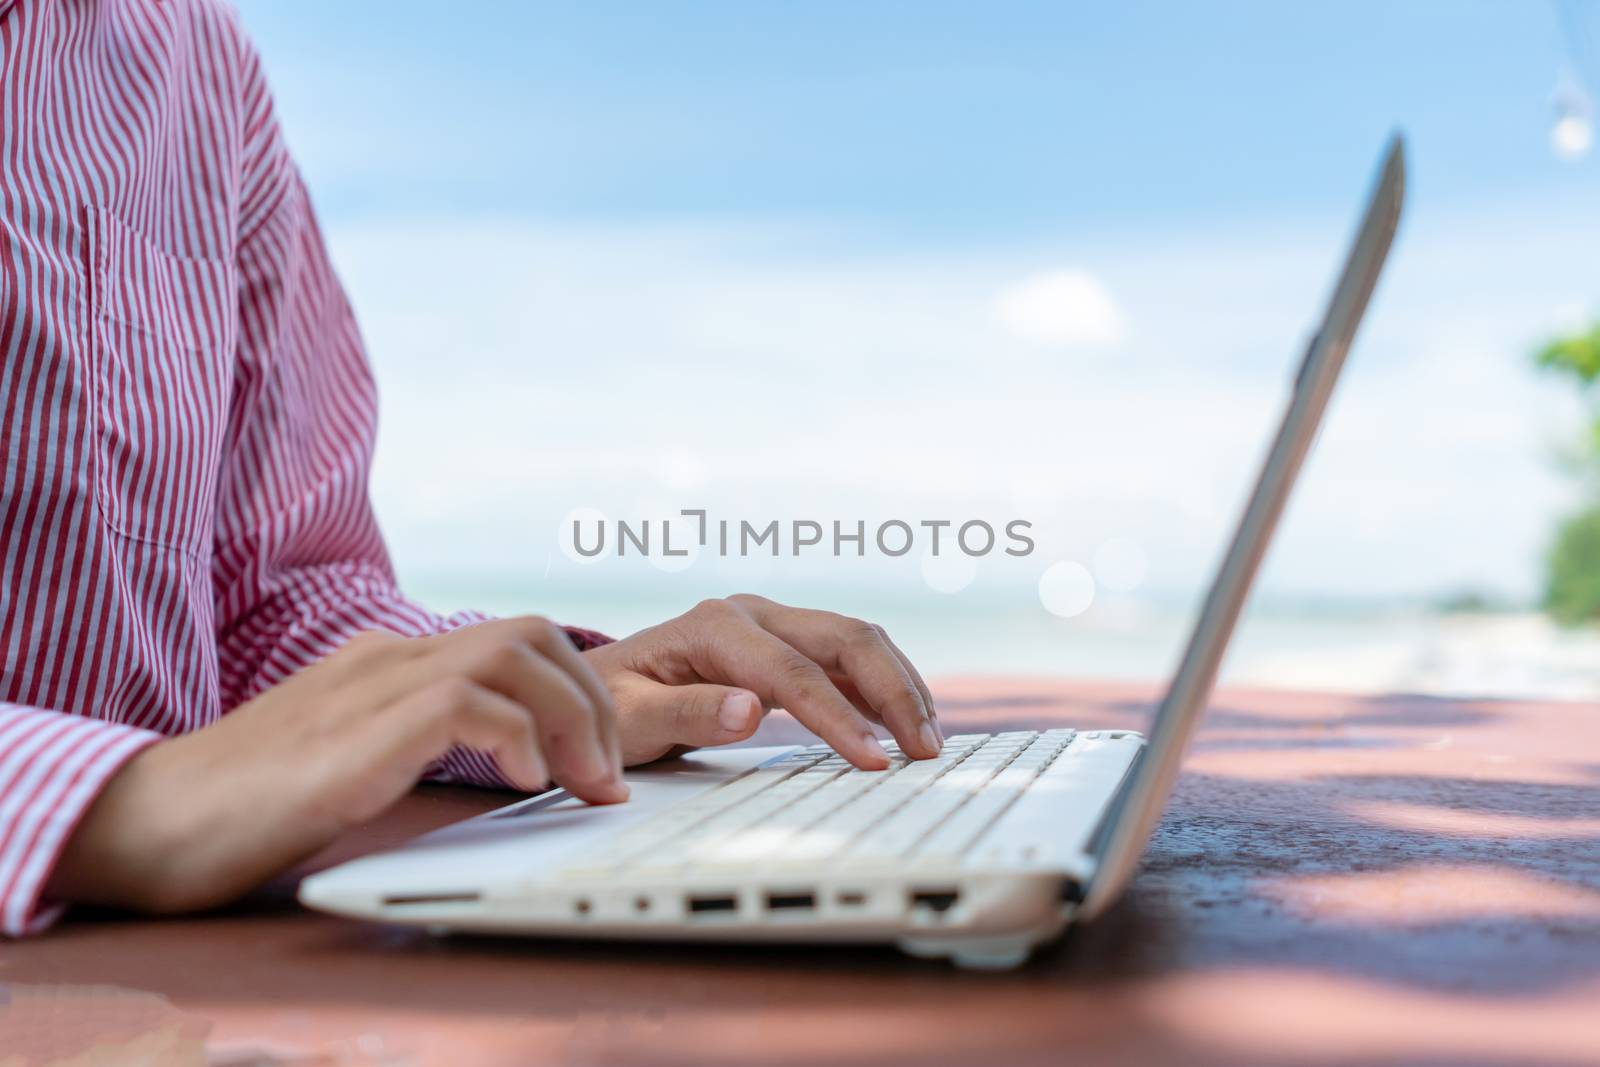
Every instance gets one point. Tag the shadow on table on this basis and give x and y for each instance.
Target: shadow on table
(1205, 897)
(1223, 891)
(1213, 877)
(1202, 897)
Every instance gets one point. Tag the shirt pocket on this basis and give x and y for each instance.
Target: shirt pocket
(162, 333)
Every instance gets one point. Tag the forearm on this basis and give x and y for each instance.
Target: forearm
(188, 824)
(200, 819)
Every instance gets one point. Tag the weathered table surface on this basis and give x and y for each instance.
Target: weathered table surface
(1339, 880)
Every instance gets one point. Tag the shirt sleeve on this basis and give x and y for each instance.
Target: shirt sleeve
(299, 563)
(52, 766)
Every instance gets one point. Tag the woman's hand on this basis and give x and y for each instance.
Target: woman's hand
(196, 821)
(706, 677)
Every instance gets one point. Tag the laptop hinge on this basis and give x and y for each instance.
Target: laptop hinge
(1119, 800)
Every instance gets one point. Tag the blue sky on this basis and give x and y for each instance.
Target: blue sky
(927, 121)
(862, 259)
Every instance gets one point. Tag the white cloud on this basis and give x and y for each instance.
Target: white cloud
(1061, 307)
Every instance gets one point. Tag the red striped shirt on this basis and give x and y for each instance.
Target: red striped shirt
(186, 411)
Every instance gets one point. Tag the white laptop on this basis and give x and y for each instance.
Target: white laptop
(978, 855)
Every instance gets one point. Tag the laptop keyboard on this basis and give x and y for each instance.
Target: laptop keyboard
(812, 808)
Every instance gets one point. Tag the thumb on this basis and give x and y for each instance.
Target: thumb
(700, 714)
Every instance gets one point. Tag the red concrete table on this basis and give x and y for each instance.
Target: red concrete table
(1339, 880)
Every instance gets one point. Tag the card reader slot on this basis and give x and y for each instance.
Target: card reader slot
(405, 900)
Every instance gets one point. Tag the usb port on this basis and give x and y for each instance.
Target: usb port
(791, 901)
(712, 905)
(935, 900)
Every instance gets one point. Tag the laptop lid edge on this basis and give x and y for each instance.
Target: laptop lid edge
(1143, 796)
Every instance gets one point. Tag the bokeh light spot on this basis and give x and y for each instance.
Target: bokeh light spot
(1120, 565)
(950, 571)
(1066, 589)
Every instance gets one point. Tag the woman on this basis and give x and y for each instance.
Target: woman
(208, 669)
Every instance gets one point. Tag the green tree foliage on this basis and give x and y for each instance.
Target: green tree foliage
(1572, 566)
(1572, 575)
(1578, 355)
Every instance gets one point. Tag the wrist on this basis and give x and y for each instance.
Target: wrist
(167, 835)
(122, 853)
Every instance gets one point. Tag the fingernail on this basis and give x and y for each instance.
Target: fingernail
(734, 715)
(930, 738)
(869, 741)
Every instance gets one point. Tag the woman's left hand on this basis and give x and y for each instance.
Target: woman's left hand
(708, 676)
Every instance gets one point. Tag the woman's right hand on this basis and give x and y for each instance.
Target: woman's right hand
(198, 820)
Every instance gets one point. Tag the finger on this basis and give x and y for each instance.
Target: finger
(500, 656)
(496, 725)
(843, 683)
(556, 645)
(916, 680)
(362, 654)
(662, 717)
(860, 651)
(566, 722)
(423, 727)
(736, 650)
